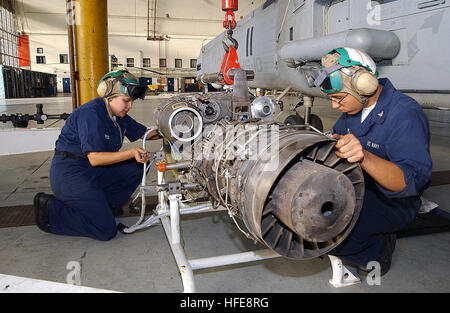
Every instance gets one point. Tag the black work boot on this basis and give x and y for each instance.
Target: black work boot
(41, 204)
(385, 256)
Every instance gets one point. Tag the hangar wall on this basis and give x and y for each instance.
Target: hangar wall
(187, 24)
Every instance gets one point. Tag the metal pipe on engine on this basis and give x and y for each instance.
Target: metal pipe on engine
(215, 78)
(178, 165)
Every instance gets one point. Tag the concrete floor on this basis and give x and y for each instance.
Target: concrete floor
(143, 262)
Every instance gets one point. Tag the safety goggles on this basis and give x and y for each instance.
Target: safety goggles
(329, 79)
(132, 88)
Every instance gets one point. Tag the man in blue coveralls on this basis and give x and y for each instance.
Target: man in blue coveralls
(387, 133)
(90, 177)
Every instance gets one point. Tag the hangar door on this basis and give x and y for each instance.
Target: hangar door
(337, 16)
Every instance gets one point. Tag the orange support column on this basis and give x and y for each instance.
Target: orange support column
(91, 46)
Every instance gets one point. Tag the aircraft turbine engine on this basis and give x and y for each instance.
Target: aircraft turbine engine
(285, 184)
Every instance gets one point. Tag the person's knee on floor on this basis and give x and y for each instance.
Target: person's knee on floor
(107, 234)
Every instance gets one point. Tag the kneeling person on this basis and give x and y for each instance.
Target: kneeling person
(387, 133)
(91, 179)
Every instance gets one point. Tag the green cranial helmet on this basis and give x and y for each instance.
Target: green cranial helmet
(343, 60)
(120, 83)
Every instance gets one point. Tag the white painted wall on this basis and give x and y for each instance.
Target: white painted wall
(188, 24)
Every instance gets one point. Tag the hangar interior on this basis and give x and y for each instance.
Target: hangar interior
(159, 42)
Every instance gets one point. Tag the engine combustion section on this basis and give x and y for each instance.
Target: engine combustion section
(284, 183)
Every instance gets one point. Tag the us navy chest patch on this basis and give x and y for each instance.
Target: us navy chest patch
(373, 145)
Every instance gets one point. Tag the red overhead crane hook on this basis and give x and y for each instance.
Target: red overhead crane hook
(230, 59)
(227, 23)
(229, 6)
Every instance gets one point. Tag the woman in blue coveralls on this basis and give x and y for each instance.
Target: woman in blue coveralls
(388, 134)
(91, 179)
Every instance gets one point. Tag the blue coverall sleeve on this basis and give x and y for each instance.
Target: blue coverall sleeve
(408, 147)
(134, 130)
(91, 133)
(339, 127)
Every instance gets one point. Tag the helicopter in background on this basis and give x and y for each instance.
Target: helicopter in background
(406, 38)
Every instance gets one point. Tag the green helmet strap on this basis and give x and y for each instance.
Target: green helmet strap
(345, 60)
(113, 74)
(119, 75)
